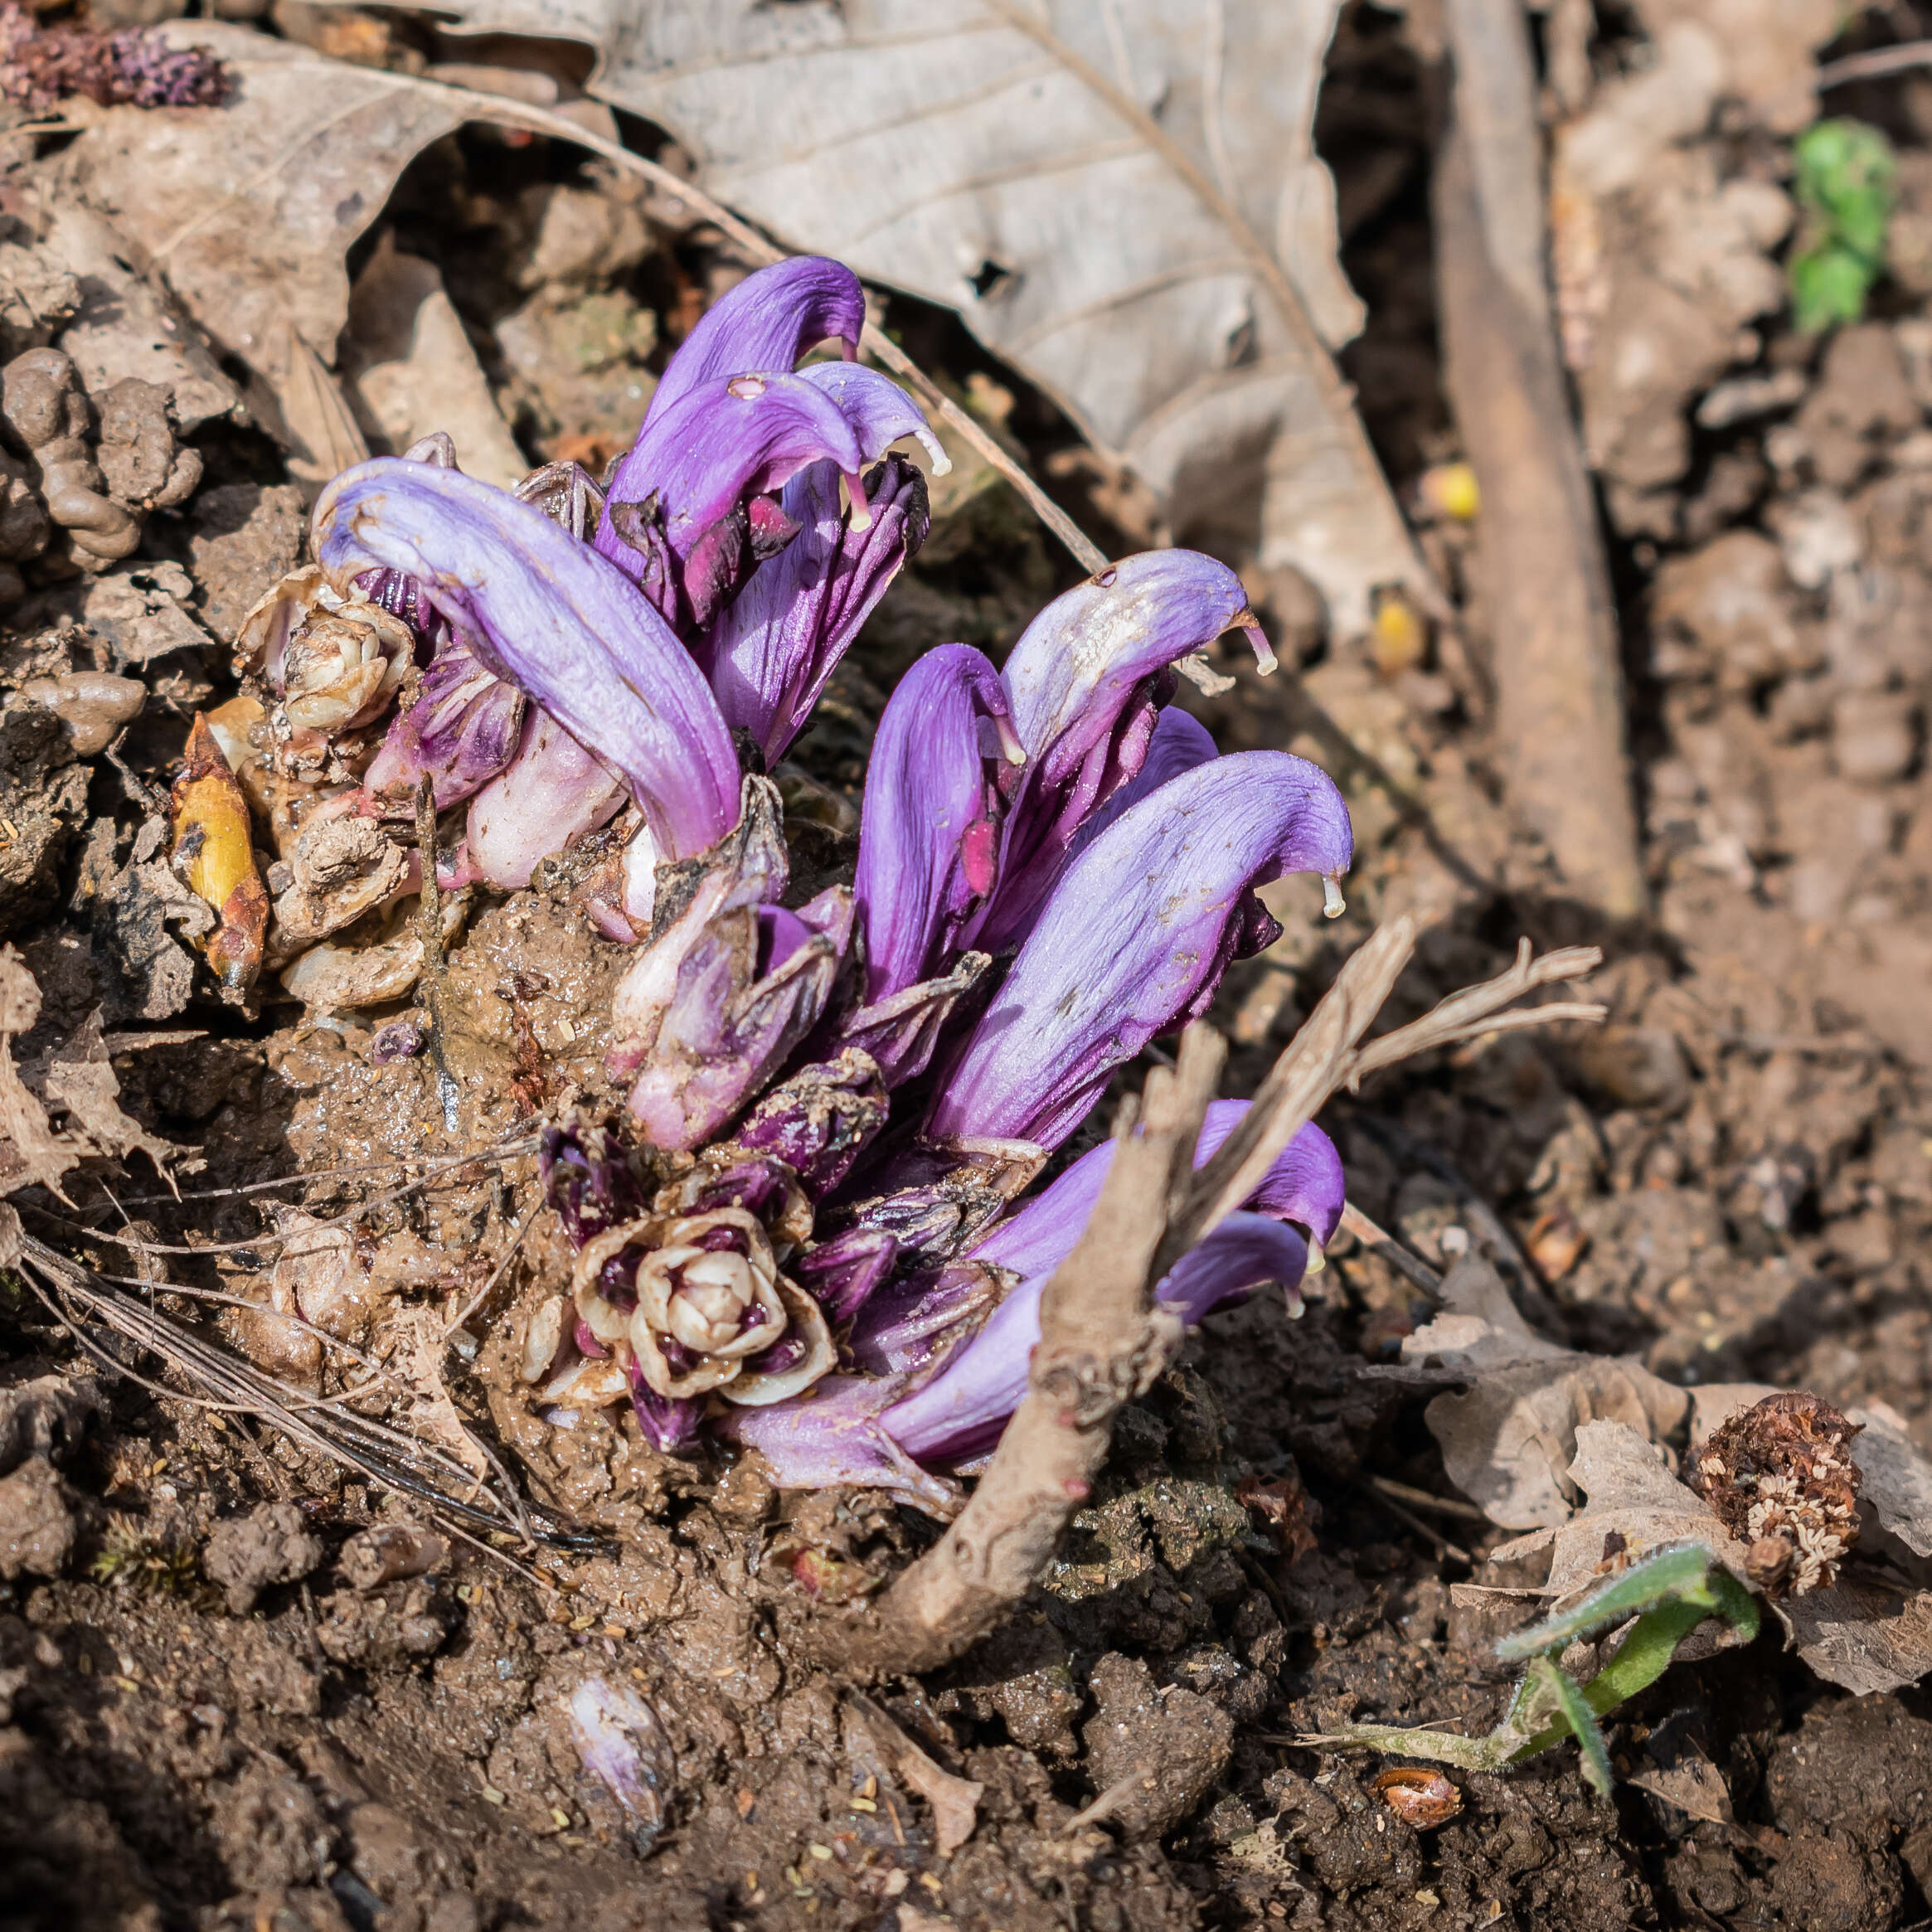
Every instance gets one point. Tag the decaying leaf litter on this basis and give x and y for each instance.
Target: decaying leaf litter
(1721, 1185)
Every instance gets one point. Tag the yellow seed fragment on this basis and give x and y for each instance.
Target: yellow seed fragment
(1399, 638)
(213, 851)
(1450, 489)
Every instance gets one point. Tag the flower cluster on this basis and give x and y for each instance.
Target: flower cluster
(806, 1230)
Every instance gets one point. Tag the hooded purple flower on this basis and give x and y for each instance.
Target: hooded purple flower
(1084, 682)
(690, 509)
(929, 832)
(772, 649)
(1135, 939)
(544, 612)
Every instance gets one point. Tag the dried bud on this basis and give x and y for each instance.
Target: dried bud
(1781, 1479)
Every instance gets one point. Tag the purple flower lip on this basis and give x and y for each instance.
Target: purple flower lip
(768, 322)
(1084, 680)
(1134, 938)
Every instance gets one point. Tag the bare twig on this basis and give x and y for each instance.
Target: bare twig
(1101, 1342)
(1542, 572)
(390, 1458)
(1876, 64)
(1379, 1241)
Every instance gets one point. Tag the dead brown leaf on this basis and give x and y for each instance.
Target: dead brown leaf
(248, 210)
(1508, 1439)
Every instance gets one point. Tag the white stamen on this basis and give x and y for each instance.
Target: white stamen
(942, 462)
(1333, 904)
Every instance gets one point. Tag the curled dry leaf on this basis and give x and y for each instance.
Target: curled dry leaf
(1509, 1437)
(1122, 202)
(214, 851)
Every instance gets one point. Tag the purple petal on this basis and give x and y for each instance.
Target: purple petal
(547, 612)
(552, 793)
(902, 1031)
(767, 322)
(908, 1324)
(1135, 939)
(830, 1436)
(1305, 1184)
(881, 413)
(770, 651)
(587, 1175)
(929, 834)
(820, 1119)
(842, 1274)
(1082, 680)
(1180, 743)
(460, 731)
(963, 1409)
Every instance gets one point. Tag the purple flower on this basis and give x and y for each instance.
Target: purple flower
(547, 612)
(929, 832)
(771, 649)
(1135, 939)
(1084, 681)
(689, 509)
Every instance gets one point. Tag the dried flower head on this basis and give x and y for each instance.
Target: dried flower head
(1781, 1478)
(131, 66)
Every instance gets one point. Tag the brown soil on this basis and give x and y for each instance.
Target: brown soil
(222, 1705)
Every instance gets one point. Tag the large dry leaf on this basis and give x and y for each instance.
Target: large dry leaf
(249, 210)
(1120, 197)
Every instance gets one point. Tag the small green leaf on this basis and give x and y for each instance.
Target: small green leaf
(1579, 1719)
(1665, 1573)
(1844, 173)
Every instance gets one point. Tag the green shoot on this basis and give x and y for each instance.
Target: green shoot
(1844, 178)
(1669, 1594)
